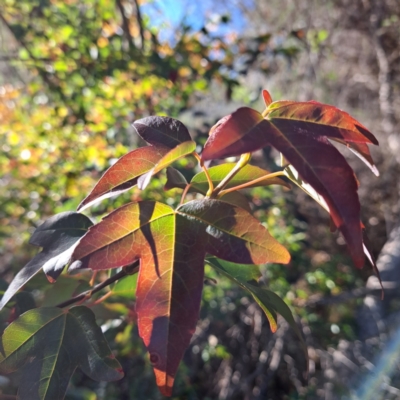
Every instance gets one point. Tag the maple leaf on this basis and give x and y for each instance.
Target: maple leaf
(171, 245)
(43, 343)
(300, 131)
(58, 236)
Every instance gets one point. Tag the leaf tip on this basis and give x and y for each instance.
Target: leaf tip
(267, 97)
(165, 382)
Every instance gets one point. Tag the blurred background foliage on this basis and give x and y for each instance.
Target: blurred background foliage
(74, 74)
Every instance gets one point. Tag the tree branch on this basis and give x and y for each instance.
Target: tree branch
(129, 270)
(140, 23)
(125, 25)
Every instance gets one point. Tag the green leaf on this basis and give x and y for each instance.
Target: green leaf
(246, 175)
(58, 236)
(44, 343)
(247, 276)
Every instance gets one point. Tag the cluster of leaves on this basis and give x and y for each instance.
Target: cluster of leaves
(77, 68)
(169, 247)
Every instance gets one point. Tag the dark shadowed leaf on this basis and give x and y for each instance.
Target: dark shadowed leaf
(43, 343)
(58, 236)
(247, 277)
(175, 179)
(162, 131)
(124, 173)
(237, 199)
(234, 234)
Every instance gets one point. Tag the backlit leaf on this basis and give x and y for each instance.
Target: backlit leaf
(171, 246)
(124, 173)
(58, 236)
(43, 344)
(181, 150)
(162, 131)
(300, 131)
(226, 136)
(171, 250)
(247, 174)
(267, 97)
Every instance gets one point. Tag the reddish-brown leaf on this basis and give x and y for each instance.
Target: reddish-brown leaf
(181, 150)
(124, 173)
(300, 131)
(234, 234)
(171, 251)
(267, 97)
(171, 246)
(228, 133)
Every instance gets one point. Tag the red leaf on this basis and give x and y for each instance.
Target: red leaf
(267, 97)
(299, 131)
(171, 246)
(226, 135)
(124, 173)
(171, 251)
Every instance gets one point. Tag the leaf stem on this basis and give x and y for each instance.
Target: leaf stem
(128, 270)
(184, 193)
(248, 184)
(243, 160)
(210, 182)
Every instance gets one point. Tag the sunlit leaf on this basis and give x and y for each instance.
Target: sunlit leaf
(124, 173)
(226, 136)
(171, 246)
(181, 150)
(48, 344)
(58, 236)
(300, 131)
(171, 250)
(266, 97)
(247, 174)
(162, 131)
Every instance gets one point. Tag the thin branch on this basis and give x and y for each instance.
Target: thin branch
(250, 183)
(43, 74)
(343, 297)
(140, 23)
(210, 182)
(129, 270)
(244, 159)
(125, 24)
